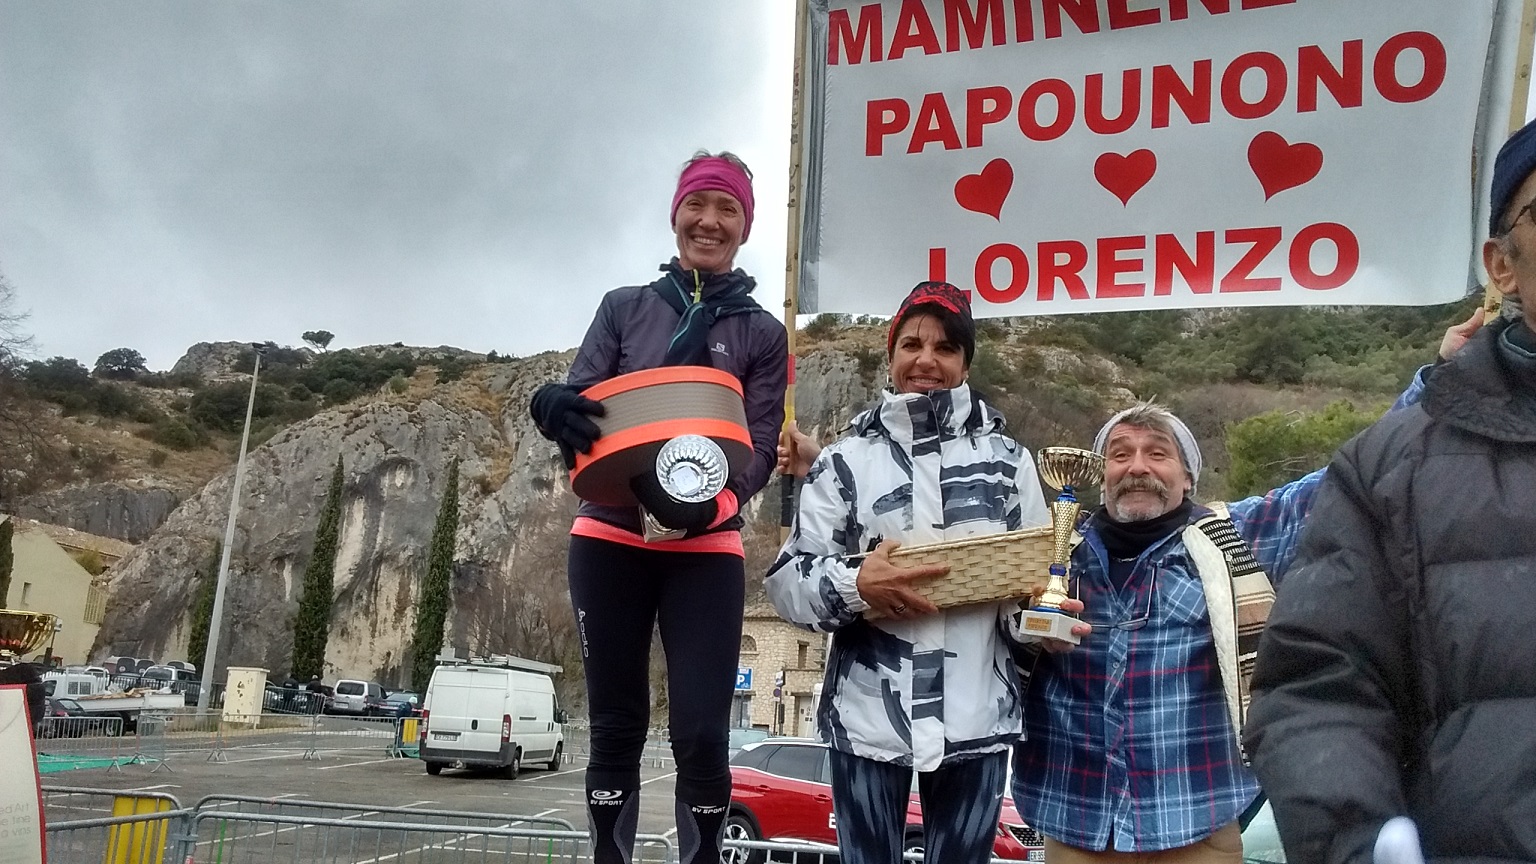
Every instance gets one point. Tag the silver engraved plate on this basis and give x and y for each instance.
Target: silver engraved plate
(691, 468)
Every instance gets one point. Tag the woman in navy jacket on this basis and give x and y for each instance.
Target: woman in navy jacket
(699, 313)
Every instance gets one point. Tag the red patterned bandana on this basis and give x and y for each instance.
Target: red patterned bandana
(937, 294)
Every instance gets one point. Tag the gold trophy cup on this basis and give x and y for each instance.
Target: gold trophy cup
(1063, 469)
(22, 632)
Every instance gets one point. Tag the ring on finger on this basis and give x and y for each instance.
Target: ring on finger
(899, 608)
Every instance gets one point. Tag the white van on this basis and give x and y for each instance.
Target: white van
(485, 715)
(364, 698)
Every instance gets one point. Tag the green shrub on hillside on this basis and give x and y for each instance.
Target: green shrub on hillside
(339, 390)
(451, 369)
(825, 325)
(175, 434)
(56, 376)
(1273, 449)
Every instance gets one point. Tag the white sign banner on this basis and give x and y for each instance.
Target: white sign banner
(21, 813)
(1061, 156)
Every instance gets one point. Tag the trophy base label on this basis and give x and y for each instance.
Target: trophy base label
(1049, 625)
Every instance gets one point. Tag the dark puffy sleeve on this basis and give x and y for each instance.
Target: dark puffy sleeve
(1333, 691)
(598, 358)
(763, 390)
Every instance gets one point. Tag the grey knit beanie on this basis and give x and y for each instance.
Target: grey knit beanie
(1189, 450)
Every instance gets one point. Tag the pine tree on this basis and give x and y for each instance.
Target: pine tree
(311, 628)
(202, 610)
(7, 558)
(432, 608)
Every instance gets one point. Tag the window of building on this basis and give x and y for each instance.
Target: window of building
(95, 606)
(26, 594)
(748, 645)
(800, 653)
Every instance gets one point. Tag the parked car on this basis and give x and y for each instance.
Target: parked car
(184, 665)
(402, 704)
(168, 678)
(122, 664)
(743, 736)
(781, 789)
(291, 700)
(66, 718)
(353, 697)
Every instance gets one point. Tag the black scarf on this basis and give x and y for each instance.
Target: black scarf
(1130, 539)
(701, 299)
(1517, 354)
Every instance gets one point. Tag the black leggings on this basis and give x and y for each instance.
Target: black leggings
(619, 593)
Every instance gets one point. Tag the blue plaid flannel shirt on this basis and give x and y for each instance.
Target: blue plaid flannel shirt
(1127, 740)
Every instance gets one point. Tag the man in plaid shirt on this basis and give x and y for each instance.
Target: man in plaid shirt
(1130, 746)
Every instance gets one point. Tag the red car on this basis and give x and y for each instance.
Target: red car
(781, 790)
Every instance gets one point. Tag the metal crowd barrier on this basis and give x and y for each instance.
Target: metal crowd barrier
(75, 742)
(235, 838)
(367, 812)
(578, 742)
(129, 827)
(66, 803)
(336, 733)
(155, 836)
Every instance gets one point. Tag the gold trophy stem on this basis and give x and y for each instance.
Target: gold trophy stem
(1064, 512)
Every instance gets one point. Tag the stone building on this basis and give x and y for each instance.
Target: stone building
(776, 656)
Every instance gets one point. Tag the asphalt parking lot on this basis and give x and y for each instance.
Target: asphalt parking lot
(277, 768)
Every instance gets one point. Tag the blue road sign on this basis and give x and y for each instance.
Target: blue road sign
(743, 677)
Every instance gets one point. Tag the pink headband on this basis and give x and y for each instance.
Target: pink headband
(718, 175)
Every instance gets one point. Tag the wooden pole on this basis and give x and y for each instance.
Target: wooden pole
(1492, 299)
(792, 249)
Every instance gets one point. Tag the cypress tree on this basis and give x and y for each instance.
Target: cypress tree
(202, 610)
(311, 628)
(432, 608)
(7, 558)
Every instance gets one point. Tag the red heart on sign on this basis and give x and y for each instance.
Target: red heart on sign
(1281, 165)
(986, 192)
(1124, 176)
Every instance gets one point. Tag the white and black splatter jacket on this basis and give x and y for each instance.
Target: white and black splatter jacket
(918, 468)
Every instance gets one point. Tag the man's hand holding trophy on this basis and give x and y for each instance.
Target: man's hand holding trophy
(1064, 469)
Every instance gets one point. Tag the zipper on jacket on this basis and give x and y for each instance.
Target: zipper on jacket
(698, 287)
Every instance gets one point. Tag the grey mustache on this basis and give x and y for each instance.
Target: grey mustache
(1140, 484)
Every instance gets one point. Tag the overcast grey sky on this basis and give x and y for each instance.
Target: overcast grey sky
(472, 173)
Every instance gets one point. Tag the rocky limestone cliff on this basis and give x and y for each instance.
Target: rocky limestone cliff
(396, 453)
(211, 360)
(126, 511)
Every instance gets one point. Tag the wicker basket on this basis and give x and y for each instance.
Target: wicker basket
(985, 569)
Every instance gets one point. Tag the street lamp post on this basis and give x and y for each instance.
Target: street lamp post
(210, 654)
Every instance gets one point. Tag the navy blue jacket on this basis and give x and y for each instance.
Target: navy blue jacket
(630, 333)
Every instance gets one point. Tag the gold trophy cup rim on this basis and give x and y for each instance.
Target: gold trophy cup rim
(1061, 467)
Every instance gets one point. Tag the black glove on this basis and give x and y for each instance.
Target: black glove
(669, 511)
(562, 415)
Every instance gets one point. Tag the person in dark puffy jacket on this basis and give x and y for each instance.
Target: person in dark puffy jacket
(1396, 683)
(699, 313)
(30, 675)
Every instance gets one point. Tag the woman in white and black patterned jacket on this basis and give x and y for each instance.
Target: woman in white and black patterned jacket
(916, 688)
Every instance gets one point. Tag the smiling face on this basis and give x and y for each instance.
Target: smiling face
(708, 225)
(1144, 474)
(924, 357)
